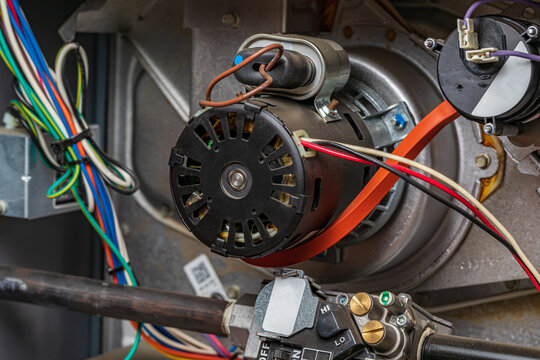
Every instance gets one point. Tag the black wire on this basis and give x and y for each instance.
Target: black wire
(424, 189)
(81, 123)
(109, 159)
(16, 90)
(35, 140)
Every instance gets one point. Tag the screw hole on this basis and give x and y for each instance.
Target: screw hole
(459, 87)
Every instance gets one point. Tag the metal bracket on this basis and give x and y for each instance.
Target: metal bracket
(331, 63)
(389, 126)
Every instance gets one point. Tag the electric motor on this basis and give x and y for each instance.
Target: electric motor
(244, 185)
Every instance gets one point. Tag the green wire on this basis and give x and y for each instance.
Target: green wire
(135, 343)
(6, 54)
(119, 256)
(57, 135)
(51, 193)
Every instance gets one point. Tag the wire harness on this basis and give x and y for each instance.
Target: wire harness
(44, 105)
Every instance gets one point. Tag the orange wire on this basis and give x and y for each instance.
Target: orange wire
(176, 352)
(71, 124)
(370, 195)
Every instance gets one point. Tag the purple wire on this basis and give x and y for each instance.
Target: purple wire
(520, 54)
(220, 350)
(477, 4)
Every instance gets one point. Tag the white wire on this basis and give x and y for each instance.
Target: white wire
(182, 347)
(458, 188)
(29, 74)
(32, 76)
(127, 181)
(187, 339)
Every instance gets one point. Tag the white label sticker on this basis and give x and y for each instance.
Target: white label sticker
(203, 277)
(284, 305)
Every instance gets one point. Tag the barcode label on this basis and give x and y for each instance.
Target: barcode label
(203, 277)
(200, 273)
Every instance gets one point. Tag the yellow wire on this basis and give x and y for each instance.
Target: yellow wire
(25, 117)
(79, 82)
(7, 63)
(31, 115)
(48, 118)
(69, 185)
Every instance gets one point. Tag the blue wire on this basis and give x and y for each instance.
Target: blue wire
(28, 40)
(160, 341)
(164, 332)
(30, 44)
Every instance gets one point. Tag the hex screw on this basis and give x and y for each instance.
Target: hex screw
(342, 299)
(532, 32)
(489, 129)
(430, 44)
(402, 321)
(483, 160)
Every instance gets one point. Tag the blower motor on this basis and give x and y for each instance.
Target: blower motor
(241, 180)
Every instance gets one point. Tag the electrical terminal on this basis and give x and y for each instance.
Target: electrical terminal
(481, 56)
(468, 38)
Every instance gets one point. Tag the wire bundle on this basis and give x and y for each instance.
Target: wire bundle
(45, 105)
(482, 216)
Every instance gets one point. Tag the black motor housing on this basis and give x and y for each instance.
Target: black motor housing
(242, 185)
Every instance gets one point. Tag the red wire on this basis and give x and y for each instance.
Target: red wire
(431, 181)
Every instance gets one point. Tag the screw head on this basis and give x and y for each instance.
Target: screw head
(231, 19)
(373, 332)
(360, 304)
(532, 31)
(483, 160)
(398, 121)
(430, 43)
(237, 180)
(342, 299)
(489, 129)
(402, 320)
(233, 291)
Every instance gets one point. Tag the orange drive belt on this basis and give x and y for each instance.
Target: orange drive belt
(370, 195)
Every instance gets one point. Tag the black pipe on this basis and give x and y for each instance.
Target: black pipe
(138, 304)
(447, 347)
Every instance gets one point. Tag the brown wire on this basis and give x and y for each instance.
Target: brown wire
(262, 70)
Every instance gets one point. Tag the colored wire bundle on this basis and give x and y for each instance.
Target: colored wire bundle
(45, 105)
(484, 219)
